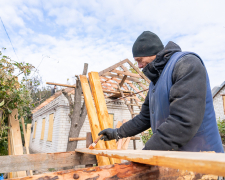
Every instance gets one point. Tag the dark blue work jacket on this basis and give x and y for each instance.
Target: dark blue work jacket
(207, 138)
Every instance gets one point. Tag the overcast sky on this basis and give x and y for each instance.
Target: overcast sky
(66, 34)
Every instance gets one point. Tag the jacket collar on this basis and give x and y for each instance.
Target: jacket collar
(154, 69)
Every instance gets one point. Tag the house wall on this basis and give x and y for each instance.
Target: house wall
(61, 126)
(218, 104)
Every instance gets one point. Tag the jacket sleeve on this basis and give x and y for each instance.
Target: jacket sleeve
(138, 124)
(187, 106)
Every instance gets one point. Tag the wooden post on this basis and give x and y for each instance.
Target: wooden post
(134, 144)
(93, 118)
(89, 141)
(28, 134)
(101, 108)
(26, 143)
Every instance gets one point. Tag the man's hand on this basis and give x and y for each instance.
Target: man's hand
(109, 134)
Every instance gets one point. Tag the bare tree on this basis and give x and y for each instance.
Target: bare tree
(78, 112)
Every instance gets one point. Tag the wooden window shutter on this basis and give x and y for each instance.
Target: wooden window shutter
(223, 103)
(50, 128)
(43, 129)
(35, 127)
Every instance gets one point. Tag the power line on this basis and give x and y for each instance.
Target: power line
(9, 39)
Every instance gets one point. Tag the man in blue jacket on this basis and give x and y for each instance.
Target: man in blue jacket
(179, 105)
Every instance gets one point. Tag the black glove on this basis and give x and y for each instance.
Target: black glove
(109, 134)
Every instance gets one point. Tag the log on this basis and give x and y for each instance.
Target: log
(13, 163)
(93, 118)
(101, 108)
(201, 162)
(128, 170)
(125, 171)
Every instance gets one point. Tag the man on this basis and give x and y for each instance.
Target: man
(179, 105)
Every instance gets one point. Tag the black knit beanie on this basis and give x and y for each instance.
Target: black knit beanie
(147, 44)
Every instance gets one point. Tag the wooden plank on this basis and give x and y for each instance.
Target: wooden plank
(65, 85)
(26, 144)
(138, 71)
(201, 162)
(125, 171)
(112, 67)
(121, 141)
(28, 134)
(84, 138)
(35, 127)
(10, 175)
(24, 162)
(111, 117)
(16, 140)
(101, 108)
(93, 118)
(126, 73)
(43, 129)
(50, 127)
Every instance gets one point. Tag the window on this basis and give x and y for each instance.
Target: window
(223, 103)
(35, 127)
(111, 120)
(43, 129)
(50, 127)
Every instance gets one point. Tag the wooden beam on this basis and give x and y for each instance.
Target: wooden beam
(24, 162)
(137, 90)
(57, 84)
(101, 108)
(112, 67)
(123, 80)
(201, 162)
(120, 77)
(77, 139)
(138, 71)
(93, 118)
(126, 73)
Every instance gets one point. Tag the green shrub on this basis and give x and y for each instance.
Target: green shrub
(221, 127)
(147, 135)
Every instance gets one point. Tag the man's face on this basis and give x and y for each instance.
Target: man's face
(143, 61)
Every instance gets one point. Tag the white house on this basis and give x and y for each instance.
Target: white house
(218, 94)
(51, 124)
